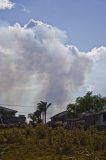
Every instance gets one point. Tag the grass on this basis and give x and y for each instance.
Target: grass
(43, 143)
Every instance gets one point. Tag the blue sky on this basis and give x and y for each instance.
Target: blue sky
(83, 20)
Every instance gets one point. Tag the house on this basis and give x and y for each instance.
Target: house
(58, 119)
(95, 119)
(83, 120)
(8, 117)
(21, 119)
(61, 119)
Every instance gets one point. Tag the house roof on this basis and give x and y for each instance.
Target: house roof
(64, 113)
(7, 109)
(59, 115)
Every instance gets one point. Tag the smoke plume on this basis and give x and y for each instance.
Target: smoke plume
(36, 64)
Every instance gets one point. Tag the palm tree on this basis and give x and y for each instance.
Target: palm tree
(42, 107)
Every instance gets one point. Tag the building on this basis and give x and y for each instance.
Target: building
(83, 120)
(95, 119)
(8, 117)
(58, 119)
(21, 119)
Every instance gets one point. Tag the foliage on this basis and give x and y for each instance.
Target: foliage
(41, 111)
(35, 117)
(72, 110)
(42, 107)
(43, 143)
(88, 103)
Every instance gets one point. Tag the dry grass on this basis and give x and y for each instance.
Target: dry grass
(43, 143)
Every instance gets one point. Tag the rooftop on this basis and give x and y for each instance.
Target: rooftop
(59, 114)
(7, 109)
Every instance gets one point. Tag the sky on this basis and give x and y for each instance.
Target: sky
(77, 30)
(83, 20)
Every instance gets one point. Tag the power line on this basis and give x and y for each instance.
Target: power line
(19, 106)
(16, 105)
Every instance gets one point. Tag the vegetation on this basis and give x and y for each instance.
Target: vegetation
(88, 103)
(42, 107)
(43, 143)
(35, 117)
(40, 113)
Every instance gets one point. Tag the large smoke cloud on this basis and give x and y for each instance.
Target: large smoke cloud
(35, 64)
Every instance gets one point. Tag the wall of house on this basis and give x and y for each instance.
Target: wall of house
(103, 118)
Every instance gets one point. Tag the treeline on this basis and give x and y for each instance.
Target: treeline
(87, 104)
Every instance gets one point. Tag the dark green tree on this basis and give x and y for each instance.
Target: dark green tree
(72, 110)
(88, 103)
(35, 117)
(85, 103)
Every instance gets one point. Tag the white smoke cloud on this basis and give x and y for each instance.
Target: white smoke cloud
(98, 53)
(6, 4)
(37, 65)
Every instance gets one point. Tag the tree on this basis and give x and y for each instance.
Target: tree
(85, 103)
(42, 107)
(72, 110)
(35, 117)
(98, 103)
(88, 103)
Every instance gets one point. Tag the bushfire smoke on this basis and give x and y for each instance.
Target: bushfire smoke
(36, 64)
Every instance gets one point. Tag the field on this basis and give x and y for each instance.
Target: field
(43, 143)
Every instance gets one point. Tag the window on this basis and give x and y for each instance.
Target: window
(104, 117)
